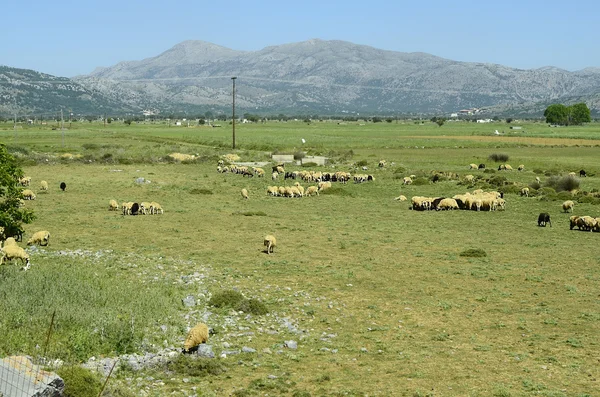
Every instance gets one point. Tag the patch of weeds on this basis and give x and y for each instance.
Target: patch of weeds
(249, 213)
(195, 366)
(323, 378)
(474, 253)
(531, 386)
(201, 191)
(501, 391)
(79, 381)
(361, 163)
(497, 157)
(309, 164)
(441, 337)
(420, 181)
(574, 342)
(565, 183)
(482, 348)
(300, 393)
(235, 300)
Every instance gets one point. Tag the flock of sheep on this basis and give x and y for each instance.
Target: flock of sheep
(586, 223)
(133, 208)
(476, 201)
(11, 250)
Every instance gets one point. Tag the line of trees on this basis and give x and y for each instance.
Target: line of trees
(560, 114)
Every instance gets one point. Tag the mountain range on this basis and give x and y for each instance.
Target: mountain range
(314, 76)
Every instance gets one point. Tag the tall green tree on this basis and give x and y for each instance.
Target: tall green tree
(12, 217)
(557, 114)
(579, 113)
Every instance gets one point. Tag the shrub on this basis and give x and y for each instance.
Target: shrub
(589, 200)
(565, 183)
(361, 163)
(299, 155)
(420, 181)
(498, 157)
(399, 170)
(193, 366)
(253, 306)
(235, 300)
(489, 171)
(79, 381)
(535, 185)
(538, 171)
(564, 195)
(497, 180)
(510, 189)
(201, 191)
(473, 253)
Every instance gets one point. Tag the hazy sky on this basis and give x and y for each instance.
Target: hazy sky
(68, 38)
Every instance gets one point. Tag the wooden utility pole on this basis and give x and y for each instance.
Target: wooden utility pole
(233, 115)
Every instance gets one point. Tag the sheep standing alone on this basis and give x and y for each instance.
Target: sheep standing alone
(40, 238)
(14, 252)
(195, 337)
(582, 174)
(43, 185)
(407, 180)
(568, 205)
(270, 242)
(113, 205)
(28, 194)
(525, 192)
(245, 193)
(544, 218)
(521, 167)
(63, 186)
(473, 166)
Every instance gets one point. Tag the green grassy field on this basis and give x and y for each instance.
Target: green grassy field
(378, 296)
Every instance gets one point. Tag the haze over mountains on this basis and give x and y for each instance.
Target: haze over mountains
(314, 76)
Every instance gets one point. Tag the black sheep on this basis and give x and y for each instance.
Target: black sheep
(544, 218)
(63, 186)
(582, 173)
(481, 166)
(135, 208)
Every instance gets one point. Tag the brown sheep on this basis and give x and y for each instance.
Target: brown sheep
(195, 337)
(270, 242)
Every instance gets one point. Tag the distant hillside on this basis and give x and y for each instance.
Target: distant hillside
(329, 77)
(25, 91)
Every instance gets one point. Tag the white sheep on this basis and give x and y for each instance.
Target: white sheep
(113, 205)
(245, 193)
(145, 208)
(538, 180)
(469, 178)
(274, 175)
(270, 242)
(407, 180)
(311, 190)
(155, 208)
(43, 185)
(25, 181)
(473, 166)
(28, 194)
(400, 198)
(448, 204)
(15, 252)
(568, 205)
(525, 192)
(10, 241)
(521, 167)
(40, 238)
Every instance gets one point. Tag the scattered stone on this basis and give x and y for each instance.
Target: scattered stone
(364, 350)
(272, 377)
(291, 344)
(140, 180)
(230, 352)
(189, 301)
(205, 351)
(247, 349)
(266, 350)
(163, 328)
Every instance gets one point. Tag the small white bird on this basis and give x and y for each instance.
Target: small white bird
(303, 141)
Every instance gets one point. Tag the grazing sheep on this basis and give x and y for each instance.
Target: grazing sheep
(311, 190)
(300, 188)
(274, 175)
(481, 166)
(473, 166)
(508, 167)
(538, 180)
(28, 194)
(113, 205)
(572, 174)
(43, 185)
(273, 191)
(573, 221)
(521, 167)
(25, 181)
(582, 174)
(63, 186)
(40, 238)
(586, 223)
(525, 192)
(270, 242)
(155, 208)
(407, 180)
(145, 208)
(447, 204)
(469, 178)
(400, 198)
(15, 252)
(195, 337)
(501, 167)
(597, 227)
(135, 209)
(382, 163)
(245, 193)
(544, 218)
(568, 205)
(478, 191)
(10, 241)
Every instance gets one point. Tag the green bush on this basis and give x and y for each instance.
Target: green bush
(235, 300)
(299, 155)
(489, 171)
(510, 189)
(361, 163)
(79, 382)
(535, 185)
(498, 157)
(565, 183)
(253, 306)
(497, 180)
(538, 171)
(564, 195)
(186, 365)
(420, 181)
(589, 200)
